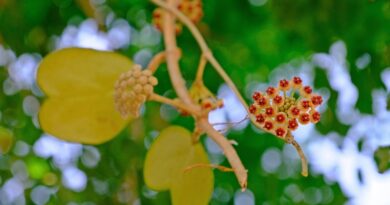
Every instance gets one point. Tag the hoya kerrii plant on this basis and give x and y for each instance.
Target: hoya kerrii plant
(92, 95)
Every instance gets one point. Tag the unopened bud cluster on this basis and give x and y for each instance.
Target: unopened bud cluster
(278, 113)
(132, 89)
(191, 8)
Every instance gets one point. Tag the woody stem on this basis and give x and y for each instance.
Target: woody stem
(203, 45)
(158, 59)
(164, 100)
(181, 90)
(201, 67)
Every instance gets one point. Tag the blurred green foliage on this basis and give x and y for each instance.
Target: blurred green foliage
(382, 156)
(246, 39)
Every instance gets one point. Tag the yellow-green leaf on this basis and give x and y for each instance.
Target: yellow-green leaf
(80, 72)
(88, 119)
(195, 186)
(79, 84)
(6, 139)
(170, 154)
(167, 156)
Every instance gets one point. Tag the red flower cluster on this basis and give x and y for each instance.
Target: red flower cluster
(278, 113)
(191, 8)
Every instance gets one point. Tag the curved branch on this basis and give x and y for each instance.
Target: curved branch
(289, 139)
(205, 49)
(173, 60)
(176, 104)
(215, 166)
(305, 171)
(228, 150)
(201, 67)
(182, 92)
(158, 59)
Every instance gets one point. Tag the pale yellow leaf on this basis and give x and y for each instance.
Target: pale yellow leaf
(80, 72)
(195, 186)
(89, 119)
(167, 156)
(79, 84)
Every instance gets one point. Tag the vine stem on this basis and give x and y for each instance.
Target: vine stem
(158, 59)
(203, 46)
(215, 166)
(228, 150)
(201, 67)
(289, 139)
(182, 92)
(305, 171)
(173, 60)
(164, 100)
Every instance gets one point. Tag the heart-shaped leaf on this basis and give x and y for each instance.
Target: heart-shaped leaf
(165, 162)
(166, 157)
(79, 84)
(195, 186)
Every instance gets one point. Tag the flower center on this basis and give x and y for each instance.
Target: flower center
(288, 102)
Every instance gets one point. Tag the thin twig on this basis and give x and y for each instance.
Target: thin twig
(200, 71)
(156, 61)
(305, 171)
(196, 134)
(173, 103)
(233, 142)
(230, 123)
(215, 166)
